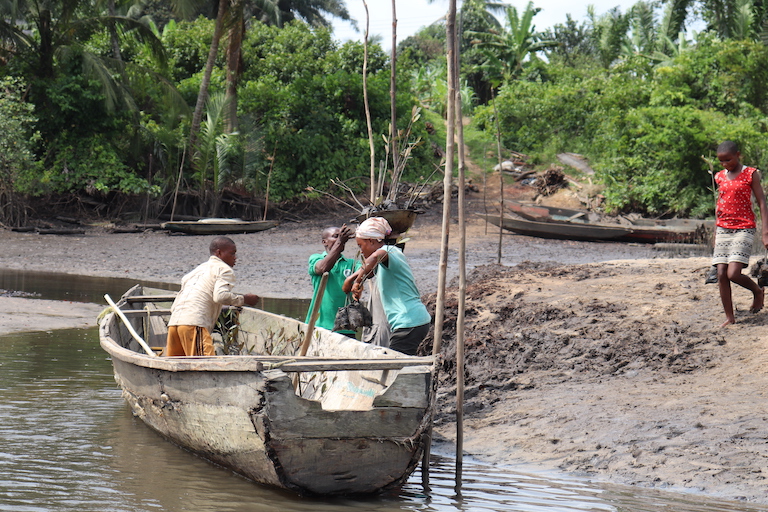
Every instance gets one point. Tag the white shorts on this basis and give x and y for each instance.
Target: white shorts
(733, 245)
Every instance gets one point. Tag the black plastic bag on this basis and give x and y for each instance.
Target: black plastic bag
(352, 317)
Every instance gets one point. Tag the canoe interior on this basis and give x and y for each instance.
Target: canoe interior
(356, 425)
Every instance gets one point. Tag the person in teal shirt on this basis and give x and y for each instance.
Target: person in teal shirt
(338, 268)
(407, 316)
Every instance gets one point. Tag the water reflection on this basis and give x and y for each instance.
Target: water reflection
(69, 442)
(69, 287)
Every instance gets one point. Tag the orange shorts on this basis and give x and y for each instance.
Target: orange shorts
(188, 340)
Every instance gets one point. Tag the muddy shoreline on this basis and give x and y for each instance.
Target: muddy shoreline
(598, 359)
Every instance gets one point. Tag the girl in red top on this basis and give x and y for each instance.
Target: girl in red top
(736, 226)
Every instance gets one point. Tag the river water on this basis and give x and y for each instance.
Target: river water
(68, 442)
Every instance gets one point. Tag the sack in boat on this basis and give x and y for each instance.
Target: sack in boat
(352, 317)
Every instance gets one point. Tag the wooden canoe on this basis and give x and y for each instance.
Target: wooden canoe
(356, 422)
(218, 226)
(559, 230)
(642, 230)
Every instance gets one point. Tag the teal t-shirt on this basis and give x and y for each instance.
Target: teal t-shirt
(399, 295)
(334, 297)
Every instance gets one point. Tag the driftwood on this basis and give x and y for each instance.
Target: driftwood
(121, 230)
(69, 220)
(61, 231)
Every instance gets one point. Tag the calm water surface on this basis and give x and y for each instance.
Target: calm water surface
(68, 442)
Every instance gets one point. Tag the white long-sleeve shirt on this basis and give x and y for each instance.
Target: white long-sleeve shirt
(203, 292)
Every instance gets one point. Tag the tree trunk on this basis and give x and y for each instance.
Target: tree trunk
(46, 45)
(202, 96)
(111, 10)
(234, 51)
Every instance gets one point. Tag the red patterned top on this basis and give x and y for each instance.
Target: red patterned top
(734, 203)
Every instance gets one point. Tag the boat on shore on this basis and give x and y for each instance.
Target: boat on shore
(347, 418)
(558, 230)
(215, 226)
(638, 229)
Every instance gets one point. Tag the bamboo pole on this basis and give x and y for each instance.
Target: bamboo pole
(128, 325)
(393, 92)
(462, 278)
(450, 30)
(178, 183)
(366, 103)
(269, 179)
(501, 176)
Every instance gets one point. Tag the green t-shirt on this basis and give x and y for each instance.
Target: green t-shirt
(334, 297)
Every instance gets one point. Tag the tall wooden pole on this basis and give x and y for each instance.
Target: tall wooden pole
(501, 176)
(462, 278)
(374, 186)
(393, 146)
(450, 30)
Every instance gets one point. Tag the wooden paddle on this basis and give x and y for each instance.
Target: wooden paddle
(313, 316)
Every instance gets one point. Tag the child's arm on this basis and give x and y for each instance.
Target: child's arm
(757, 190)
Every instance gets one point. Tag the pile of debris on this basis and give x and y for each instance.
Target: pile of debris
(548, 182)
(551, 181)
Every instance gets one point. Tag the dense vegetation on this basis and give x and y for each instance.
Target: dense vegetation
(146, 104)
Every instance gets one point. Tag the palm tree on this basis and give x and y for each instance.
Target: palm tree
(314, 12)
(51, 33)
(642, 23)
(486, 9)
(609, 31)
(205, 82)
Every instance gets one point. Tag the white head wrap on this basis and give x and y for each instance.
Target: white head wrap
(373, 228)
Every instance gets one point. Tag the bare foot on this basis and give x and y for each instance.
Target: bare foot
(728, 322)
(757, 304)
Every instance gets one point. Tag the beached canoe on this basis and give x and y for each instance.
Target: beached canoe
(559, 230)
(641, 230)
(355, 420)
(218, 226)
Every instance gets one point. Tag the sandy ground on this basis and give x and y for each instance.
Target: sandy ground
(595, 358)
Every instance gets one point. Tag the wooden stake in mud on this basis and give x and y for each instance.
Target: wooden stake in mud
(462, 281)
(501, 178)
(178, 183)
(450, 30)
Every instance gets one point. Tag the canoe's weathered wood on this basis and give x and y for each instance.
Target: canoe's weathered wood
(260, 363)
(150, 298)
(145, 312)
(356, 422)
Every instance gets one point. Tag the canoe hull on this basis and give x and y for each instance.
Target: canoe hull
(237, 412)
(639, 230)
(218, 228)
(558, 230)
